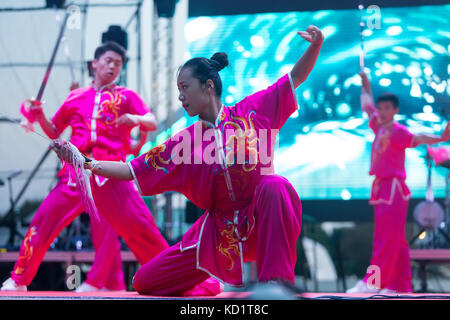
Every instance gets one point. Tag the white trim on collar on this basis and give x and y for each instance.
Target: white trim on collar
(217, 119)
(102, 87)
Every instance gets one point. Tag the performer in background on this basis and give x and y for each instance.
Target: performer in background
(106, 272)
(217, 163)
(101, 117)
(390, 194)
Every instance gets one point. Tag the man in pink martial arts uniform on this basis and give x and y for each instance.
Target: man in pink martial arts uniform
(390, 270)
(101, 116)
(223, 163)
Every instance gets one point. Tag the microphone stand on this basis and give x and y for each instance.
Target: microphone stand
(10, 218)
(12, 223)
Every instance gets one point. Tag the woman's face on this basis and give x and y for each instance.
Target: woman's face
(194, 96)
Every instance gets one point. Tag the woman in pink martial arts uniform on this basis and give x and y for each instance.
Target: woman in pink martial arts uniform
(222, 163)
(101, 116)
(390, 270)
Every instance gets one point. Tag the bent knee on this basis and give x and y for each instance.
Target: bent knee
(276, 187)
(143, 283)
(269, 183)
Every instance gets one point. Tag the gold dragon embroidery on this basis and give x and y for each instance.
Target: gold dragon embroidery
(242, 141)
(111, 106)
(382, 142)
(155, 154)
(229, 244)
(28, 250)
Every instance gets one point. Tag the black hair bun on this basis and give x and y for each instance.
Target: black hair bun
(220, 59)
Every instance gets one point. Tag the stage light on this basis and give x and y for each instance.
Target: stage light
(55, 4)
(117, 34)
(166, 8)
(423, 235)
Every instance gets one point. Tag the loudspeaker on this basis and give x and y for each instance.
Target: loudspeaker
(55, 3)
(116, 34)
(166, 8)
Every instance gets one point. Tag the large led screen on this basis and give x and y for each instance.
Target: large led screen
(324, 148)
